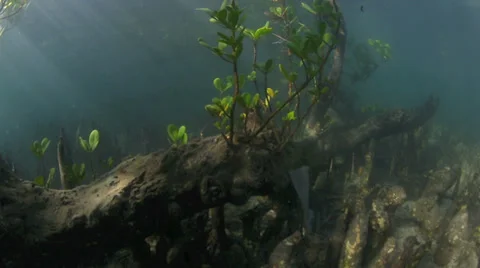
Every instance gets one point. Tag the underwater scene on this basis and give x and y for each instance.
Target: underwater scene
(240, 133)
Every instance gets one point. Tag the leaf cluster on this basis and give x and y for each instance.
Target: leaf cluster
(92, 143)
(308, 50)
(177, 135)
(39, 148)
(40, 180)
(382, 48)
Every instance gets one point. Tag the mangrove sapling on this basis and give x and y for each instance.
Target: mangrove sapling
(39, 148)
(309, 48)
(90, 146)
(364, 59)
(40, 180)
(109, 162)
(77, 174)
(177, 135)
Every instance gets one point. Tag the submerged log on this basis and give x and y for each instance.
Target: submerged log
(152, 194)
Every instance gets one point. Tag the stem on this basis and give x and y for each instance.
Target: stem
(304, 85)
(236, 92)
(297, 106)
(255, 83)
(253, 65)
(91, 167)
(44, 168)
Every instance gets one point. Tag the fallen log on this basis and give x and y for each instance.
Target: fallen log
(152, 194)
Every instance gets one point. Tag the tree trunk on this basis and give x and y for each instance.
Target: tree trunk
(154, 193)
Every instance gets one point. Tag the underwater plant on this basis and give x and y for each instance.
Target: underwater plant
(8, 11)
(77, 173)
(364, 58)
(90, 146)
(40, 180)
(308, 52)
(39, 148)
(109, 162)
(382, 48)
(177, 135)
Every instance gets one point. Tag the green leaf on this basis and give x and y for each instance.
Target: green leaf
(328, 38)
(51, 175)
(78, 170)
(268, 65)
(264, 67)
(203, 43)
(217, 51)
(218, 84)
(84, 144)
(283, 70)
(241, 80)
(224, 4)
(244, 100)
(36, 149)
(221, 16)
(233, 18)
(222, 45)
(181, 132)
(224, 38)
(247, 97)
(295, 48)
(40, 181)
(291, 77)
(44, 145)
(255, 100)
(94, 139)
(207, 10)
(277, 11)
(110, 162)
(322, 27)
(263, 31)
(185, 138)
(271, 93)
(214, 110)
(172, 132)
(82, 170)
(309, 8)
(290, 116)
(252, 76)
(249, 32)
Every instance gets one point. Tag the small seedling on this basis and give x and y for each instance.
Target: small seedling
(92, 143)
(40, 180)
(90, 146)
(39, 148)
(78, 173)
(110, 162)
(177, 135)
